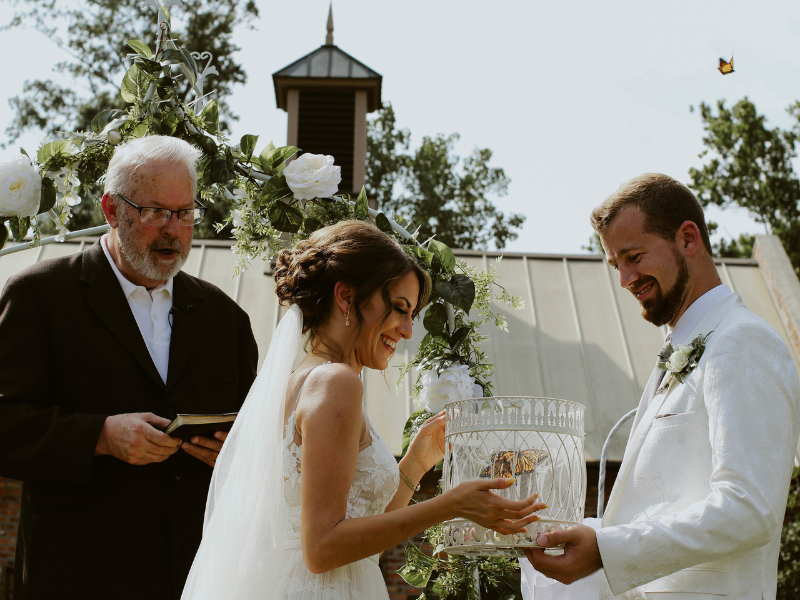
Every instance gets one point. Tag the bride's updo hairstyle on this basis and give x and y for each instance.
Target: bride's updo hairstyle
(353, 252)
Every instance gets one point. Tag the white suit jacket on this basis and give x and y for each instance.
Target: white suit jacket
(698, 504)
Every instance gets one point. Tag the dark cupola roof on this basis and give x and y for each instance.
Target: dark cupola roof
(327, 67)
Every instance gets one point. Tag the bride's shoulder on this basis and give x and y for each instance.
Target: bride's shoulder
(331, 395)
(334, 380)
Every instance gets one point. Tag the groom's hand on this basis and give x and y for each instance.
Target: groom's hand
(581, 555)
(205, 448)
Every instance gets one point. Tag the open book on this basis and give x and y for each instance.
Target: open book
(187, 426)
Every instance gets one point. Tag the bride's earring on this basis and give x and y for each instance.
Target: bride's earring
(347, 319)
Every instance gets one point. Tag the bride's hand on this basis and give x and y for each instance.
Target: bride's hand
(475, 500)
(427, 447)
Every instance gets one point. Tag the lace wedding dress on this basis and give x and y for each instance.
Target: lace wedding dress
(251, 530)
(374, 485)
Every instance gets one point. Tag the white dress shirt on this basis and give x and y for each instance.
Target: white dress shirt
(151, 309)
(695, 313)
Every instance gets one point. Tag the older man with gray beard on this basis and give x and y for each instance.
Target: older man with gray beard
(100, 350)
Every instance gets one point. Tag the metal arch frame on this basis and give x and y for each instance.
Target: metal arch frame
(601, 479)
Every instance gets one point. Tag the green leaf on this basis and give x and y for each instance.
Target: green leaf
(285, 217)
(166, 13)
(210, 116)
(311, 225)
(140, 130)
(418, 568)
(22, 151)
(273, 157)
(165, 87)
(270, 147)
(440, 340)
(54, 155)
(435, 320)
(48, 198)
(383, 224)
(400, 220)
(169, 123)
(19, 227)
(423, 255)
(458, 338)
(362, 205)
(102, 119)
(445, 255)
(459, 291)
(148, 66)
(219, 170)
(206, 143)
(134, 84)
(191, 66)
(275, 189)
(140, 48)
(248, 145)
(171, 56)
(3, 235)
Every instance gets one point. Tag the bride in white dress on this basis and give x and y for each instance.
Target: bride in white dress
(305, 494)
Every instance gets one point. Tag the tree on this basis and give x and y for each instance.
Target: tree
(750, 165)
(435, 189)
(94, 34)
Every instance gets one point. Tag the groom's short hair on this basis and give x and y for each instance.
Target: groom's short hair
(666, 203)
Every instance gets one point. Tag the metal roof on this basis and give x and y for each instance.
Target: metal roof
(328, 68)
(327, 61)
(580, 336)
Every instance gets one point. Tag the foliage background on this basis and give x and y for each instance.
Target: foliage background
(568, 110)
(93, 34)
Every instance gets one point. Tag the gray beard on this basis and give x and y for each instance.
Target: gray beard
(139, 258)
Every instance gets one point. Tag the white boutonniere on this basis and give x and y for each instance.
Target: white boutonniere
(682, 360)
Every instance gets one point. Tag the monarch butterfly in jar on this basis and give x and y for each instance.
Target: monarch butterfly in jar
(502, 464)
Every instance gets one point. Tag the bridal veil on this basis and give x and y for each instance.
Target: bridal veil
(241, 554)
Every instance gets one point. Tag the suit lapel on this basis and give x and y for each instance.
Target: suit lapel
(105, 298)
(187, 324)
(707, 324)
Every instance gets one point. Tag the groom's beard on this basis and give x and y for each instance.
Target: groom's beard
(662, 308)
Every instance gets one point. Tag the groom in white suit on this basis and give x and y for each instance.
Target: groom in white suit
(698, 504)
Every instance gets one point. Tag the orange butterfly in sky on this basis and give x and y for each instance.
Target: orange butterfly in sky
(726, 67)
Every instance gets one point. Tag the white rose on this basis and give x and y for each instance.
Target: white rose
(453, 384)
(114, 137)
(677, 361)
(313, 176)
(238, 217)
(684, 349)
(20, 188)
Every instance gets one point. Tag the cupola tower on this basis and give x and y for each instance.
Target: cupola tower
(328, 94)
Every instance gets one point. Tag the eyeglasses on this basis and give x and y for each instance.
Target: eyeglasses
(150, 215)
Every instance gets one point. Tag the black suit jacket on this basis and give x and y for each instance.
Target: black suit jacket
(70, 355)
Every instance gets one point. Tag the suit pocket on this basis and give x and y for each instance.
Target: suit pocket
(695, 583)
(678, 419)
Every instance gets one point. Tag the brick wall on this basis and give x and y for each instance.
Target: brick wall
(393, 559)
(10, 492)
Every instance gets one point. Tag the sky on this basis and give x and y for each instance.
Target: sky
(573, 98)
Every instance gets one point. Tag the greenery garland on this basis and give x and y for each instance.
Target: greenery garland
(265, 210)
